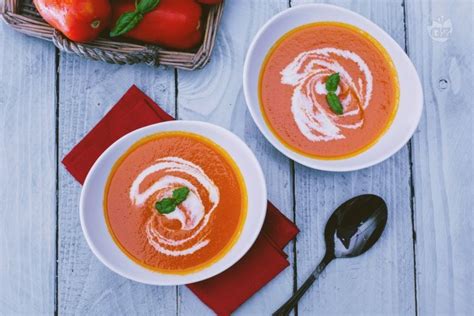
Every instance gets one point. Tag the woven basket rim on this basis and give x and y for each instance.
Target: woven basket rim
(23, 17)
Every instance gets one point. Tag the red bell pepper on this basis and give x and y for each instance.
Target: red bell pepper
(78, 20)
(170, 23)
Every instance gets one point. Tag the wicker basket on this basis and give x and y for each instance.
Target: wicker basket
(22, 16)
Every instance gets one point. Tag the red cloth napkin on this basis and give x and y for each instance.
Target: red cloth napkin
(225, 292)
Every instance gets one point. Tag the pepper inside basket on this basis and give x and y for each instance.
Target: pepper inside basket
(23, 16)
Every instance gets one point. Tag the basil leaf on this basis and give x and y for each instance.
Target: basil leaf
(129, 20)
(126, 23)
(180, 194)
(332, 82)
(334, 103)
(145, 6)
(168, 205)
(165, 206)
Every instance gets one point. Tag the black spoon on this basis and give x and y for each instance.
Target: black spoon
(351, 230)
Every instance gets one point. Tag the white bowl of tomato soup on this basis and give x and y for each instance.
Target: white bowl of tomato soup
(330, 89)
(173, 203)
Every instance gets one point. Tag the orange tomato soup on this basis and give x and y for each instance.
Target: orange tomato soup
(292, 90)
(201, 229)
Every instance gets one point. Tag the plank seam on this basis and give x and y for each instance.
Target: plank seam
(176, 93)
(56, 103)
(412, 185)
(295, 262)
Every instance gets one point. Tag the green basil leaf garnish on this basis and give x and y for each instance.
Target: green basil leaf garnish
(332, 82)
(129, 20)
(180, 194)
(334, 103)
(126, 23)
(168, 205)
(145, 6)
(165, 206)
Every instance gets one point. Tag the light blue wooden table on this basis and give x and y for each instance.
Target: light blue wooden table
(422, 265)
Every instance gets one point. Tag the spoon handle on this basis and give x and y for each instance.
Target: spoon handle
(288, 306)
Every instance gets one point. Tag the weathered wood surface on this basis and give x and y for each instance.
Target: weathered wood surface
(427, 185)
(27, 175)
(443, 154)
(380, 282)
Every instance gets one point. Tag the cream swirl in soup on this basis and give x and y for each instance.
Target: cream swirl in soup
(192, 214)
(293, 96)
(307, 73)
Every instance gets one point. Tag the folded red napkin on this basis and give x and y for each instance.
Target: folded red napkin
(225, 292)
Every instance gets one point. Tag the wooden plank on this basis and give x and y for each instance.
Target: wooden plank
(381, 281)
(215, 94)
(443, 155)
(87, 90)
(27, 174)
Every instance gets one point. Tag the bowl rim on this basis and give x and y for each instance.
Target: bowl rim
(322, 164)
(208, 271)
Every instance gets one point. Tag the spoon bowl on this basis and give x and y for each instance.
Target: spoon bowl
(352, 229)
(355, 226)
